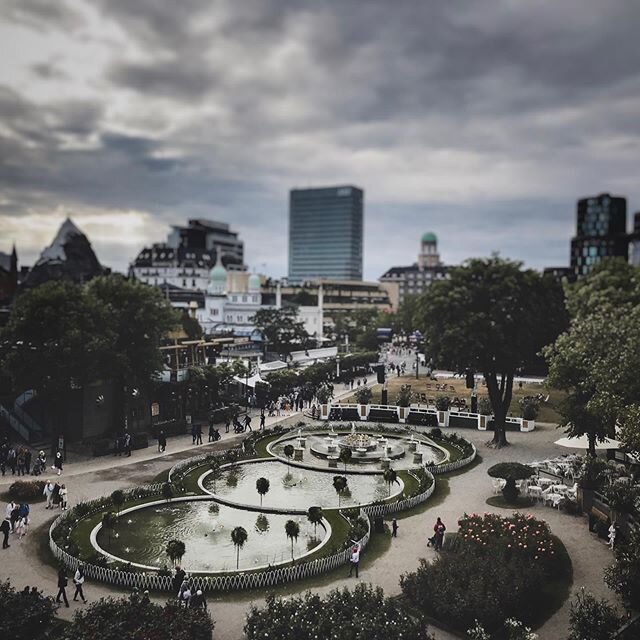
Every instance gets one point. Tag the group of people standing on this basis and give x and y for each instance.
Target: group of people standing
(188, 596)
(19, 460)
(16, 521)
(56, 495)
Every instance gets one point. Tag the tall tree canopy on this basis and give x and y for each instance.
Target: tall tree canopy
(490, 316)
(597, 359)
(281, 329)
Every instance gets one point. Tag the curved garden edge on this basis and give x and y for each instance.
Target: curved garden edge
(229, 582)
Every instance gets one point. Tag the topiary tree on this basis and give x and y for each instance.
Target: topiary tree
(109, 521)
(117, 497)
(288, 452)
(484, 406)
(443, 403)
(175, 549)
(216, 471)
(345, 456)
(339, 484)
(238, 537)
(363, 395)
(315, 516)
(511, 471)
(262, 487)
(323, 394)
(390, 476)
(591, 619)
(529, 408)
(292, 529)
(403, 399)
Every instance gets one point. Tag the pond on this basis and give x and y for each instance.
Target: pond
(297, 488)
(142, 536)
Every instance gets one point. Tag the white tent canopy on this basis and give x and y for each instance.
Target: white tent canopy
(251, 380)
(582, 442)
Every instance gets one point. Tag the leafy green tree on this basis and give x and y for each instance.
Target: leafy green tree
(340, 484)
(117, 497)
(238, 537)
(282, 330)
(57, 339)
(510, 472)
(175, 550)
(363, 395)
(109, 521)
(355, 614)
(591, 619)
(486, 317)
(315, 516)
(23, 617)
(262, 487)
(190, 326)
(130, 619)
(139, 318)
(623, 577)
(292, 529)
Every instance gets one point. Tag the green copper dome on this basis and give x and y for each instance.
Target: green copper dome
(429, 236)
(254, 282)
(218, 274)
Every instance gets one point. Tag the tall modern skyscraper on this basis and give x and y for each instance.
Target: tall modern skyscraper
(325, 233)
(601, 232)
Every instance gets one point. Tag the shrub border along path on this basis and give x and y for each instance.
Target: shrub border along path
(180, 473)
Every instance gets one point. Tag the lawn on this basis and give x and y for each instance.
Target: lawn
(456, 388)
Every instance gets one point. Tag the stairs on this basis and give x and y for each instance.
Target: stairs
(21, 422)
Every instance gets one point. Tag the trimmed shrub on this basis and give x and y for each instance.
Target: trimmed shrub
(23, 616)
(27, 490)
(349, 615)
(443, 403)
(592, 619)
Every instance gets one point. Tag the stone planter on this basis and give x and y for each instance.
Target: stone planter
(482, 422)
(298, 453)
(443, 418)
(363, 411)
(324, 411)
(403, 413)
(527, 425)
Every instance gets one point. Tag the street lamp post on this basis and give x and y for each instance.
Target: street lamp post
(417, 364)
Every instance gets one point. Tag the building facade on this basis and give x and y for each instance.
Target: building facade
(601, 232)
(634, 241)
(412, 280)
(188, 255)
(325, 233)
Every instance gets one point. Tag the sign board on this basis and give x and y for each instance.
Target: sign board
(188, 419)
(60, 443)
(155, 409)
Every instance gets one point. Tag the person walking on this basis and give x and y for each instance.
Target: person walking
(162, 441)
(198, 434)
(227, 423)
(194, 434)
(247, 422)
(63, 497)
(211, 431)
(438, 530)
(5, 528)
(62, 586)
(57, 462)
(23, 511)
(8, 511)
(126, 443)
(78, 580)
(355, 559)
(394, 528)
(263, 418)
(48, 494)
(20, 528)
(178, 578)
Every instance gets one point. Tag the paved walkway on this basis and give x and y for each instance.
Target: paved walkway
(468, 492)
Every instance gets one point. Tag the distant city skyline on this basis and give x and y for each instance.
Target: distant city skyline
(484, 123)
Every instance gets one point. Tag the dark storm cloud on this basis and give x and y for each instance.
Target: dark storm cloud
(484, 121)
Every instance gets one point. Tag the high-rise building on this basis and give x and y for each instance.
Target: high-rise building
(601, 232)
(634, 246)
(414, 279)
(325, 233)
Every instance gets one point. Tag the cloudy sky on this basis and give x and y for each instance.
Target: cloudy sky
(481, 121)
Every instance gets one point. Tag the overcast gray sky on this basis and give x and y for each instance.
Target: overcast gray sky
(482, 121)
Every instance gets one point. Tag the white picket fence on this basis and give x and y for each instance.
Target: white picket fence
(453, 466)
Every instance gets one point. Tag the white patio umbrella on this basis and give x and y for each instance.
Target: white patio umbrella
(582, 442)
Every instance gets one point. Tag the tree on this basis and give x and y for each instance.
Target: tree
(190, 326)
(238, 537)
(58, 339)
(282, 330)
(292, 529)
(315, 516)
(262, 487)
(36, 614)
(390, 477)
(623, 577)
(511, 471)
(339, 484)
(117, 497)
(363, 395)
(355, 614)
(128, 619)
(345, 456)
(591, 619)
(109, 521)
(175, 550)
(216, 471)
(487, 317)
(288, 452)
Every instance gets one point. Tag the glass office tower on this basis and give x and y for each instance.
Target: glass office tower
(325, 233)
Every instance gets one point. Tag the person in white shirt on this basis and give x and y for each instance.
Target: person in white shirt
(48, 494)
(78, 580)
(355, 559)
(10, 507)
(63, 497)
